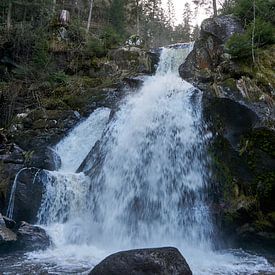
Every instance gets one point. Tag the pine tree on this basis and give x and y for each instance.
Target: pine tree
(171, 13)
(207, 3)
(187, 16)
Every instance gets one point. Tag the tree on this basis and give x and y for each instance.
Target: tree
(187, 16)
(89, 17)
(9, 15)
(195, 33)
(171, 13)
(206, 3)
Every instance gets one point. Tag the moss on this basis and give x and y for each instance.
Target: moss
(263, 225)
(265, 188)
(262, 74)
(271, 218)
(53, 103)
(230, 83)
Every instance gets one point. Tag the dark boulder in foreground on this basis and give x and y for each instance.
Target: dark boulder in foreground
(157, 261)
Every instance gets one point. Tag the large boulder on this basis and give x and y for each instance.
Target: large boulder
(157, 261)
(32, 237)
(27, 191)
(44, 158)
(208, 50)
(230, 118)
(133, 60)
(6, 235)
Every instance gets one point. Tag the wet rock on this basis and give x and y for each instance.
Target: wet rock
(29, 188)
(132, 59)
(11, 224)
(162, 261)
(11, 161)
(6, 235)
(32, 237)
(229, 118)
(44, 158)
(14, 155)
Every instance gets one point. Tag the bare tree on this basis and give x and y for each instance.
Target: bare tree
(9, 15)
(253, 32)
(215, 10)
(89, 17)
(207, 2)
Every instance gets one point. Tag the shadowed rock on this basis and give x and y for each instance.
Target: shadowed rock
(157, 261)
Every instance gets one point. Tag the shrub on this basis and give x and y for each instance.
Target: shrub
(264, 32)
(76, 32)
(111, 38)
(239, 45)
(264, 10)
(58, 78)
(95, 47)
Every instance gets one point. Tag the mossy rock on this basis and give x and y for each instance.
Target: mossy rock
(53, 103)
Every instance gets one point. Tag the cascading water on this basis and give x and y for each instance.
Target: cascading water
(144, 187)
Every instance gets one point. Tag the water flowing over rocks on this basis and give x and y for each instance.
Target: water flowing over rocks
(240, 112)
(157, 261)
(26, 194)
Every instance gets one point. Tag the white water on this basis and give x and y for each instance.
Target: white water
(76, 146)
(146, 187)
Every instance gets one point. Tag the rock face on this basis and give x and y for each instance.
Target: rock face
(239, 110)
(208, 50)
(28, 194)
(157, 261)
(133, 59)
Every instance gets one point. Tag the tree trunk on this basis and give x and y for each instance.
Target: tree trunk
(54, 6)
(215, 8)
(253, 32)
(89, 17)
(9, 15)
(138, 21)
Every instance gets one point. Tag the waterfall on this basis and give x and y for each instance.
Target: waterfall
(144, 184)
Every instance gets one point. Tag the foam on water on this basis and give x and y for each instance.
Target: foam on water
(145, 187)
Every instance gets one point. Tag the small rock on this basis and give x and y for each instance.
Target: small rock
(6, 235)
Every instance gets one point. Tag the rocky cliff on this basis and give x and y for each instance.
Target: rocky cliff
(239, 109)
(35, 115)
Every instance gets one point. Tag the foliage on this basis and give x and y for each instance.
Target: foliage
(110, 38)
(240, 45)
(58, 78)
(259, 29)
(265, 10)
(76, 32)
(95, 47)
(264, 32)
(117, 16)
